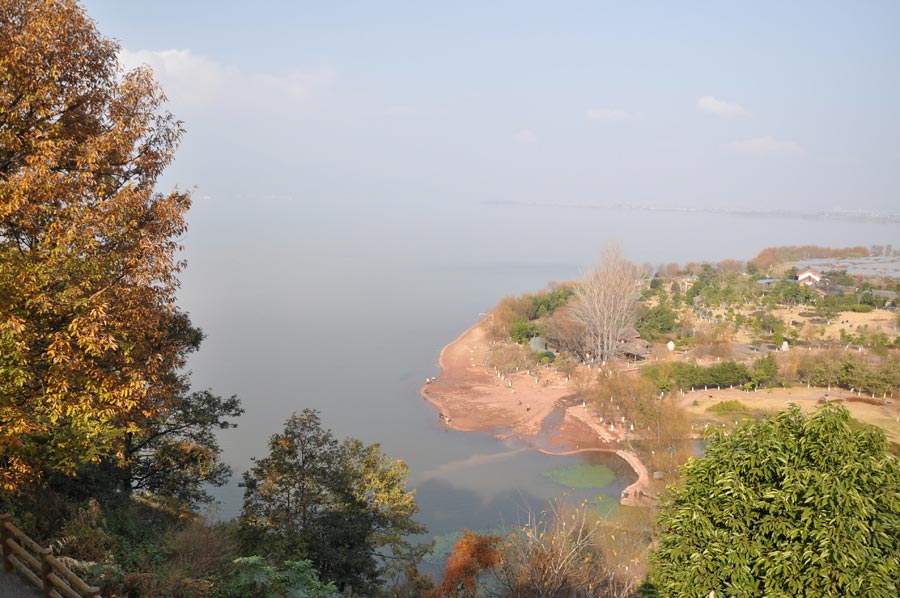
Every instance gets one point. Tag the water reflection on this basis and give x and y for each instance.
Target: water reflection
(350, 321)
(485, 490)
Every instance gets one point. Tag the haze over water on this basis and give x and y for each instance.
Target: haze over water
(350, 320)
(371, 176)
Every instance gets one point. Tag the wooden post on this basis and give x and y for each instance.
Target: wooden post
(46, 571)
(4, 538)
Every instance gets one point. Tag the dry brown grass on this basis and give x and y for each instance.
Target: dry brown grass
(886, 417)
(878, 320)
(563, 551)
(197, 552)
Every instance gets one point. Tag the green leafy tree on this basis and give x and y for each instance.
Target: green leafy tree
(676, 293)
(523, 331)
(545, 303)
(764, 370)
(344, 506)
(793, 505)
(91, 340)
(253, 576)
(176, 459)
(657, 321)
(178, 456)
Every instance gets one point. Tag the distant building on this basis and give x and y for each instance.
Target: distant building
(539, 344)
(636, 348)
(809, 277)
(830, 291)
(632, 345)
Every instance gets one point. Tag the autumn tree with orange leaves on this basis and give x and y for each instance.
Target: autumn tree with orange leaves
(91, 340)
(472, 555)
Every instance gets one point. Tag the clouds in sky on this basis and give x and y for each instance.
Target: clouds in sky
(192, 80)
(718, 107)
(612, 116)
(185, 77)
(766, 146)
(196, 82)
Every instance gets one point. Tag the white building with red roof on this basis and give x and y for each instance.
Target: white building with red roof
(809, 277)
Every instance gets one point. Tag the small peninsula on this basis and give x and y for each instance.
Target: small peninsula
(670, 354)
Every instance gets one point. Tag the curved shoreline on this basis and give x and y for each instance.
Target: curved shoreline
(423, 391)
(633, 495)
(469, 399)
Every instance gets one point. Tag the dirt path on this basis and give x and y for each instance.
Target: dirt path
(13, 586)
(639, 493)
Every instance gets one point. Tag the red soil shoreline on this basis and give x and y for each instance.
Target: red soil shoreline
(470, 396)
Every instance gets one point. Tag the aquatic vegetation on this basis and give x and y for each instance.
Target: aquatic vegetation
(582, 476)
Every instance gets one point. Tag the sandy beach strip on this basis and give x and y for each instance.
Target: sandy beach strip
(470, 396)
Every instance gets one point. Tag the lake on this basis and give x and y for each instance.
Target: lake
(344, 307)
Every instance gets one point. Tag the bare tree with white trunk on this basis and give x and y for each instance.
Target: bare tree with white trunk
(607, 302)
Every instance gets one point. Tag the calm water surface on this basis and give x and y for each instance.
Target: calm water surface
(313, 312)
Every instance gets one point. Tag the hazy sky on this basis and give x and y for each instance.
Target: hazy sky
(349, 157)
(753, 104)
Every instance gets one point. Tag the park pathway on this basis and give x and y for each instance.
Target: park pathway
(13, 586)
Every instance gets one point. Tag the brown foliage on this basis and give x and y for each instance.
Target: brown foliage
(472, 555)
(694, 267)
(623, 394)
(772, 256)
(507, 311)
(565, 332)
(84, 538)
(730, 266)
(507, 357)
(565, 552)
(788, 365)
(607, 303)
(715, 340)
(634, 397)
(669, 270)
(89, 334)
(198, 553)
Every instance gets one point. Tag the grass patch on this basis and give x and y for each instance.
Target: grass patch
(604, 508)
(730, 406)
(582, 476)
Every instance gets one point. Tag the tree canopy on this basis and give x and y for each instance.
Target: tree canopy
(607, 302)
(344, 506)
(91, 340)
(793, 505)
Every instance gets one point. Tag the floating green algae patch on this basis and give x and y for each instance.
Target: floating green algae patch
(582, 476)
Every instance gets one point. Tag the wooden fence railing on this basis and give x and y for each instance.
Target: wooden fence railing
(38, 566)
